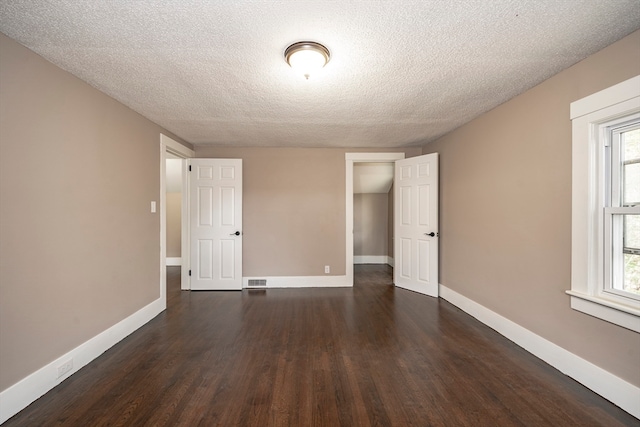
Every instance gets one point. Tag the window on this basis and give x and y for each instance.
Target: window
(605, 258)
(622, 219)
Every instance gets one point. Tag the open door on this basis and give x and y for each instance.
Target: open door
(215, 223)
(416, 224)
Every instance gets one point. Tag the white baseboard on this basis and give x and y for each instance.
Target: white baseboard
(300, 282)
(174, 261)
(602, 382)
(372, 259)
(23, 393)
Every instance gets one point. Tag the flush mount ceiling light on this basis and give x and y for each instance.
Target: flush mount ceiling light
(307, 57)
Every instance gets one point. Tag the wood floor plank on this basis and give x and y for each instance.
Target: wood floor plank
(373, 355)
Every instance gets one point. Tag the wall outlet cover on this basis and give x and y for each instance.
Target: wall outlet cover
(65, 368)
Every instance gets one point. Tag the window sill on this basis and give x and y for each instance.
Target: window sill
(605, 309)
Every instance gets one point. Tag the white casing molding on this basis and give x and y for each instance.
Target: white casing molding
(604, 383)
(168, 145)
(24, 392)
(300, 282)
(174, 261)
(373, 259)
(590, 117)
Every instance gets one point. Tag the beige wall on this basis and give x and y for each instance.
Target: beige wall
(173, 181)
(370, 224)
(79, 249)
(505, 211)
(174, 224)
(293, 208)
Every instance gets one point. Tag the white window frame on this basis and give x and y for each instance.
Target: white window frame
(591, 119)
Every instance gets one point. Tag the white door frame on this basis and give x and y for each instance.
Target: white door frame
(350, 159)
(168, 145)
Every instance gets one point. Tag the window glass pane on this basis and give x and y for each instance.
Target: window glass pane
(632, 273)
(631, 184)
(632, 232)
(631, 254)
(631, 165)
(632, 144)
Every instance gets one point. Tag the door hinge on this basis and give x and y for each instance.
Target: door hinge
(189, 168)
(189, 272)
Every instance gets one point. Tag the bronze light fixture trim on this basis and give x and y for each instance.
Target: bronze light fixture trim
(307, 56)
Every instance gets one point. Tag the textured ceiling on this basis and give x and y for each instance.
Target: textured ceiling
(401, 72)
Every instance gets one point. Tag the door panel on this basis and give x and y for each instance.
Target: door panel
(205, 206)
(215, 189)
(405, 259)
(227, 202)
(406, 205)
(416, 213)
(423, 206)
(424, 246)
(204, 255)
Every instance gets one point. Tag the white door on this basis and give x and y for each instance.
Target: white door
(416, 224)
(215, 222)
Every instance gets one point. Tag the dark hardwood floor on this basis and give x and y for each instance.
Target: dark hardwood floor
(373, 355)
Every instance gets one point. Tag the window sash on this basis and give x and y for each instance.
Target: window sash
(615, 161)
(615, 208)
(614, 251)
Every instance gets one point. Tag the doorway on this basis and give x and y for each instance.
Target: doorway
(373, 213)
(352, 159)
(171, 148)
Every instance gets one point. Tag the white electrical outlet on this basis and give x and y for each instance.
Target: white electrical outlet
(65, 368)
(327, 269)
